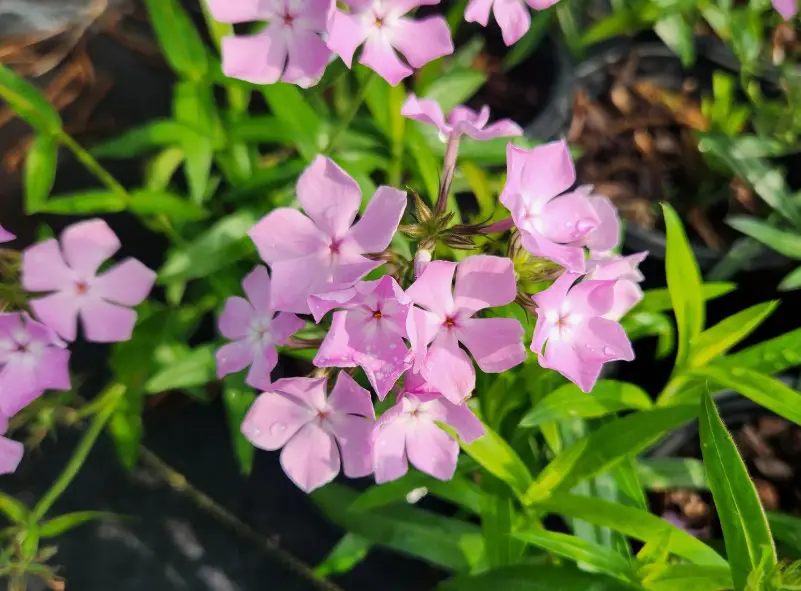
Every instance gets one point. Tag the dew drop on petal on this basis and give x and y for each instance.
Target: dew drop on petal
(277, 428)
(583, 226)
(609, 351)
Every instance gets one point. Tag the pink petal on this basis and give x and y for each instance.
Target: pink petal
(308, 391)
(286, 233)
(238, 11)
(345, 33)
(383, 375)
(606, 235)
(389, 451)
(570, 257)
(425, 111)
(264, 363)
(374, 231)
(274, 419)
(449, 369)
(234, 322)
(553, 297)
(541, 4)
(463, 118)
(433, 290)
(541, 173)
(378, 348)
(484, 281)
(308, 58)
(329, 196)
(43, 268)
(257, 287)
(104, 322)
(561, 357)
(495, 343)
(422, 41)
(354, 435)
(348, 397)
(421, 327)
(335, 351)
(569, 218)
(233, 357)
(601, 340)
(18, 386)
(431, 450)
(627, 295)
(502, 128)
(591, 298)
(478, 11)
(315, 15)
(513, 19)
(60, 312)
(786, 8)
(5, 235)
(87, 244)
(378, 55)
(54, 371)
(311, 458)
(284, 326)
(350, 266)
(10, 455)
(129, 283)
(461, 418)
(293, 281)
(322, 303)
(258, 58)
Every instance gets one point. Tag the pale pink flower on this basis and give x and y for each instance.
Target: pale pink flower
(10, 451)
(5, 235)
(409, 430)
(290, 49)
(461, 121)
(512, 15)
(33, 360)
(255, 330)
(383, 28)
(787, 8)
(314, 431)
(368, 332)
(551, 225)
(102, 301)
(572, 336)
(606, 235)
(482, 281)
(325, 251)
(625, 272)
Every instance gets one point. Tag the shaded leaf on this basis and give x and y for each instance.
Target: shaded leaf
(237, 399)
(499, 459)
(13, 509)
(27, 102)
(717, 340)
(785, 242)
(539, 577)
(179, 40)
(194, 368)
(348, 552)
(658, 300)
(63, 523)
(145, 202)
(87, 202)
(666, 473)
(40, 171)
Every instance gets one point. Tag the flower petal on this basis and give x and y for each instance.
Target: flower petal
(502, 128)
(553, 297)
(423, 40)
(18, 386)
(513, 19)
(627, 295)
(431, 450)
(284, 326)
(308, 391)
(591, 298)
(602, 341)
(239, 11)
(461, 418)
(478, 11)
(273, 419)
(562, 357)
(233, 357)
(10, 455)
(541, 173)
(308, 58)
(104, 322)
(5, 235)
(311, 458)
(257, 287)
(433, 289)
(264, 363)
(234, 322)
(607, 235)
(335, 351)
(484, 281)
(448, 368)
(44, 269)
(570, 257)
(293, 281)
(258, 58)
(348, 397)
(284, 234)
(87, 244)
(350, 266)
(425, 111)
(378, 55)
(389, 451)
(354, 435)
(787, 8)
(321, 304)
(329, 196)
(569, 218)
(345, 33)
(129, 283)
(374, 230)
(60, 312)
(421, 327)
(495, 343)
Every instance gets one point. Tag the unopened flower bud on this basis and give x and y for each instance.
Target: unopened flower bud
(421, 259)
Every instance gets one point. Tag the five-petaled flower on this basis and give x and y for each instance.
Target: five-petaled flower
(552, 225)
(409, 429)
(325, 251)
(33, 360)
(461, 120)
(512, 15)
(381, 25)
(255, 330)
(572, 335)
(482, 281)
(290, 49)
(71, 272)
(314, 430)
(10, 451)
(368, 332)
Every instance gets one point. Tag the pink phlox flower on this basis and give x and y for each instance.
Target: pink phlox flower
(314, 431)
(290, 49)
(627, 276)
(552, 225)
(5, 235)
(572, 335)
(325, 251)
(606, 235)
(447, 319)
(10, 451)
(787, 8)
(409, 430)
(461, 121)
(383, 28)
(367, 332)
(102, 301)
(255, 330)
(512, 15)
(33, 360)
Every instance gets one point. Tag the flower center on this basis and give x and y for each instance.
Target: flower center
(288, 19)
(22, 348)
(335, 246)
(81, 287)
(378, 315)
(449, 323)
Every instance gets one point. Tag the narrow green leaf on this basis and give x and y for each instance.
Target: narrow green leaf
(143, 139)
(264, 129)
(88, 202)
(667, 473)
(455, 88)
(785, 242)
(677, 34)
(63, 523)
(40, 171)
(178, 38)
(791, 281)
(717, 340)
(658, 300)
(498, 518)
(162, 167)
(348, 552)
(427, 164)
(499, 459)
(301, 120)
(193, 105)
(145, 202)
(745, 526)
(195, 368)
(237, 399)
(13, 509)
(684, 283)
(692, 577)
(768, 357)
(568, 401)
(539, 577)
(27, 102)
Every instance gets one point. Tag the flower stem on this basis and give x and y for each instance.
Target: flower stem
(351, 113)
(94, 166)
(448, 172)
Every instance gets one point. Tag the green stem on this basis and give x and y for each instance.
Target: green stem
(350, 115)
(94, 166)
(112, 397)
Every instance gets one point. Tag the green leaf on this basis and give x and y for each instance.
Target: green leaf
(786, 529)
(13, 509)
(178, 38)
(667, 473)
(632, 522)
(63, 523)
(264, 129)
(193, 105)
(297, 115)
(768, 357)
(348, 552)
(539, 577)
(143, 139)
(568, 401)
(222, 244)
(605, 447)
(87, 202)
(450, 543)
(677, 34)
(499, 459)
(745, 526)
(595, 556)
(27, 102)
(498, 517)
(196, 367)
(238, 399)
(639, 325)
(791, 281)
(693, 577)
(40, 171)
(427, 164)
(764, 390)
(455, 88)
(717, 340)
(684, 283)
(162, 167)
(146, 202)
(458, 490)
(785, 242)
(126, 428)
(658, 300)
